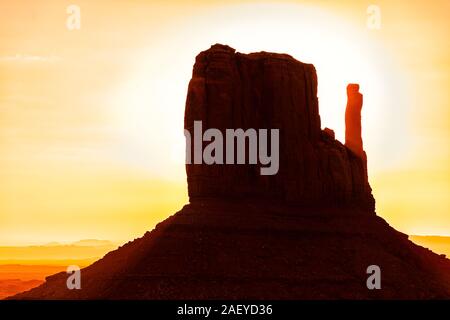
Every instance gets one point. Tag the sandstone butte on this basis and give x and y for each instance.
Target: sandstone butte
(309, 232)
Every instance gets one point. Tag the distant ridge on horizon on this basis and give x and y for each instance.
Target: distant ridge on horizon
(437, 243)
(83, 251)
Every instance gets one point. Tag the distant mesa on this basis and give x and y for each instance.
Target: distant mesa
(308, 232)
(93, 243)
(81, 243)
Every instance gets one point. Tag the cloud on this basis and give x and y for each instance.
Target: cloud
(29, 58)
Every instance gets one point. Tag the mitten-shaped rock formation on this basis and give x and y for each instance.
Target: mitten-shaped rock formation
(231, 90)
(222, 248)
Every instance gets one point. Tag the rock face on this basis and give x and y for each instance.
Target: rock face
(273, 91)
(244, 236)
(353, 139)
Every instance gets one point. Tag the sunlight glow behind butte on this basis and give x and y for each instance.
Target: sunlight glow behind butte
(150, 104)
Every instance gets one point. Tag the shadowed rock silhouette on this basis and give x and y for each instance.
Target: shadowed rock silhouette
(309, 232)
(268, 90)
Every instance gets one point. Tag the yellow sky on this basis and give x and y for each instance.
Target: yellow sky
(91, 119)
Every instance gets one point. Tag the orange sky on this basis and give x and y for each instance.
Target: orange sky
(91, 141)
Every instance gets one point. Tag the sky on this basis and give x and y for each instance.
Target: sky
(91, 119)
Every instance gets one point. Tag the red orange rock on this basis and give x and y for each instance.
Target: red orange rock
(353, 139)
